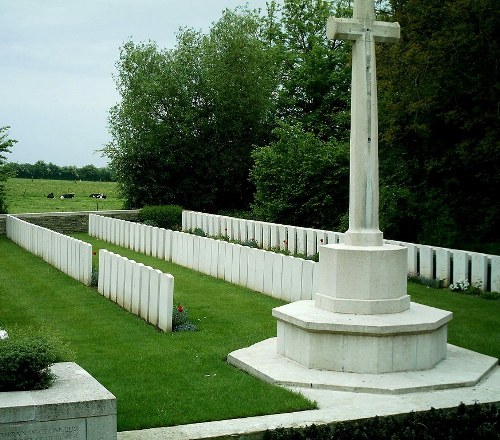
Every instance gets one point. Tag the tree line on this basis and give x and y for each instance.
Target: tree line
(42, 170)
(254, 116)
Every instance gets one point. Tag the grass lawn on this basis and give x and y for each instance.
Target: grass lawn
(26, 195)
(170, 379)
(159, 379)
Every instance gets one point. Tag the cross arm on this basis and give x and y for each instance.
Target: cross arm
(352, 29)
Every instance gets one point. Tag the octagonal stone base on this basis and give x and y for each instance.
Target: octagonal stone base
(415, 339)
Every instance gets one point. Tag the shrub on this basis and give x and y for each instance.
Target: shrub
(180, 320)
(164, 216)
(472, 422)
(26, 357)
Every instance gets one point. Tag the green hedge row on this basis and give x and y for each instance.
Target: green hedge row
(476, 422)
(163, 216)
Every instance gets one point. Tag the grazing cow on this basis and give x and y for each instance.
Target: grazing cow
(50, 196)
(98, 196)
(67, 196)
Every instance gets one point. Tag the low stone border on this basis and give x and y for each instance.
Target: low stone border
(75, 407)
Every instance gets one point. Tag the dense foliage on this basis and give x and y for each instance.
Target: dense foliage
(440, 137)
(42, 170)
(189, 117)
(163, 216)
(196, 121)
(25, 360)
(5, 146)
(464, 422)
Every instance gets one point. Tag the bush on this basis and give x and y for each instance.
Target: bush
(472, 422)
(26, 357)
(180, 320)
(164, 216)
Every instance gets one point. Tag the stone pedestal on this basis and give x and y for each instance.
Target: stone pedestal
(75, 407)
(362, 279)
(319, 339)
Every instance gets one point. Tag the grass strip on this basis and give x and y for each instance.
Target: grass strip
(159, 379)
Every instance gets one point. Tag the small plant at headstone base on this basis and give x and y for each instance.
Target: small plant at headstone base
(460, 286)
(198, 231)
(250, 243)
(425, 281)
(180, 320)
(26, 357)
(94, 277)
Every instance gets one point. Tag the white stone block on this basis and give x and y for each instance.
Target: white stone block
(277, 275)
(426, 261)
(243, 262)
(154, 292)
(301, 241)
(283, 238)
(107, 274)
(136, 288)
(307, 279)
(142, 239)
(258, 233)
(229, 227)
(291, 239)
(100, 282)
(193, 251)
(266, 236)
(252, 255)
(268, 273)
(412, 258)
(144, 302)
(154, 241)
(165, 302)
(259, 270)
(216, 226)
(205, 223)
(243, 230)
(228, 261)
(223, 226)
(214, 257)
(148, 236)
(136, 244)
(167, 256)
(479, 270)
(312, 242)
(160, 250)
(296, 288)
(362, 280)
(120, 282)
(127, 284)
(221, 260)
(286, 279)
(235, 229)
(235, 264)
(114, 277)
(184, 223)
(250, 226)
(275, 236)
(321, 239)
(460, 266)
(495, 273)
(443, 266)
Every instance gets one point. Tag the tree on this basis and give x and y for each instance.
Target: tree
(301, 180)
(189, 117)
(315, 72)
(5, 145)
(440, 130)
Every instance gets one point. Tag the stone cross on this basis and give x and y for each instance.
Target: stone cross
(364, 31)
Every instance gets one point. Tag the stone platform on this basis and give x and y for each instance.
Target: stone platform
(75, 407)
(461, 368)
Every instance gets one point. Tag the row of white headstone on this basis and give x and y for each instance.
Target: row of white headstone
(277, 275)
(140, 289)
(69, 255)
(296, 240)
(447, 265)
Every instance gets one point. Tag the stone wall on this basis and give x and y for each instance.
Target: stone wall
(69, 222)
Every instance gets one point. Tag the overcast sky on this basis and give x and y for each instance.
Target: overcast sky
(57, 58)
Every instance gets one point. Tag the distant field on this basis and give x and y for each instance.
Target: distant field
(26, 195)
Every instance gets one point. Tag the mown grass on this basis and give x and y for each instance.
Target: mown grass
(169, 379)
(159, 379)
(27, 195)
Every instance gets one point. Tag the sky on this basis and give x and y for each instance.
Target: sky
(57, 60)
